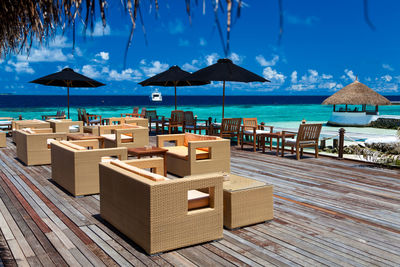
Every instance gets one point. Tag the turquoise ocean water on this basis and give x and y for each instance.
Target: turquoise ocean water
(277, 114)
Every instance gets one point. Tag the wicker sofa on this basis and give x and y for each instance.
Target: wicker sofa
(75, 167)
(33, 145)
(195, 154)
(66, 126)
(160, 214)
(3, 142)
(33, 124)
(124, 135)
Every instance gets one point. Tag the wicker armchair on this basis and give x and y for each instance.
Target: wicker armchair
(143, 122)
(195, 154)
(75, 167)
(251, 132)
(159, 214)
(32, 124)
(230, 128)
(33, 145)
(307, 136)
(66, 126)
(135, 113)
(124, 135)
(191, 123)
(3, 140)
(177, 120)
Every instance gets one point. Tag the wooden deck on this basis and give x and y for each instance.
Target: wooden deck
(327, 212)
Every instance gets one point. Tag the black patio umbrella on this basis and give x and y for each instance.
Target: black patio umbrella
(67, 78)
(174, 76)
(225, 70)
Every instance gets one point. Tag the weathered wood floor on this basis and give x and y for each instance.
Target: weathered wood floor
(327, 212)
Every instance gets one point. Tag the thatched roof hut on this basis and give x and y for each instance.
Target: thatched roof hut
(356, 93)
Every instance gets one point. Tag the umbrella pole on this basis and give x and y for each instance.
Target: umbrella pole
(175, 97)
(223, 100)
(68, 100)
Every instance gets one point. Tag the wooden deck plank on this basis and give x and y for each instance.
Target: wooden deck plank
(23, 217)
(327, 212)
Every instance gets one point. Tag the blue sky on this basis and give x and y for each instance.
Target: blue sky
(325, 45)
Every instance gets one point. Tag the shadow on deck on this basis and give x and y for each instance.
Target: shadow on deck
(327, 212)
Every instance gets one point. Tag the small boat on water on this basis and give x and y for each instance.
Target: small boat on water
(156, 96)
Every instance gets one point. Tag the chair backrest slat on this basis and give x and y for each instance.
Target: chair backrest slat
(143, 113)
(135, 110)
(249, 123)
(189, 118)
(151, 114)
(231, 125)
(79, 115)
(177, 117)
(309, 132)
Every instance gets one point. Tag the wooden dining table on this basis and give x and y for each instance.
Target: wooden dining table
(278, 136)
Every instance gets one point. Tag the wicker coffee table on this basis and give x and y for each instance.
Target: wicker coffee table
(246, 202)
(149, 152)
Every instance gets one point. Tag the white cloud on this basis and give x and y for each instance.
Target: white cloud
(387, 78)
(99, 30)
(236, 58)
(44, 54)
(327, 76)
(312, 80)
(176, 26)
(350, 75)
(8, 69)
(103, 55)
(202, 41)
(264, 63)
(192, 66)
(387, 67)
(211, 59)
(125, 75)
(60, 41)
(330, 85)
(90, 71)
(19, 67)
(154, 68)
(274, 76)
(293, 77)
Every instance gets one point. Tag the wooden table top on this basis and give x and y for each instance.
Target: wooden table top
(83, 136)
(279, 134)
(146, 151)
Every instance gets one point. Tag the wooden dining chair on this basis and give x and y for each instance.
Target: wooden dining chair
(307, 136)
(230, 128)
(251, 133)
(177, 120)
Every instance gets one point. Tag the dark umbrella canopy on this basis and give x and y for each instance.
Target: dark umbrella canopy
(67, 78)
(174, 76)
(225, 70)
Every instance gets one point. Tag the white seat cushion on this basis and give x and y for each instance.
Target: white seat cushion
(74, 128)
(257, 132)
(112, 136)
(292, 141)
